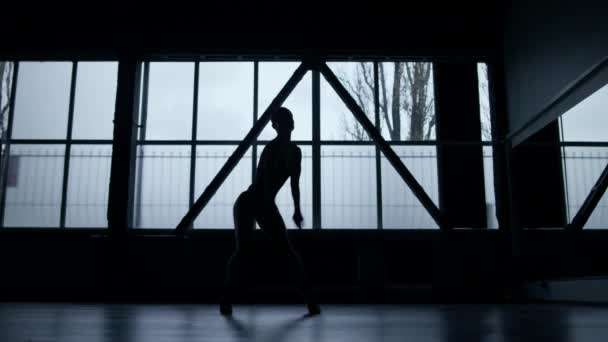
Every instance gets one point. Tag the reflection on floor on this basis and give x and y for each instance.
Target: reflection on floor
(153, 322)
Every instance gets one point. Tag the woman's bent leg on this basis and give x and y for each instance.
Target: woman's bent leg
(272, 223)
(244, 226)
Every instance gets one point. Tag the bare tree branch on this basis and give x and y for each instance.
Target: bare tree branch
(4, 111)
(486, 127)
(367, 76)
(408, 96)
(429, 130)
(2, 67)
(396, 103)
(354, 129)
(384, 102)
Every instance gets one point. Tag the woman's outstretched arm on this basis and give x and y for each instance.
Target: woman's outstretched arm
(295, 187)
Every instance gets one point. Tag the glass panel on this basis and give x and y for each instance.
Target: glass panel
(400, 208)
(587, 121)
(599, 217)
(209, 160)
(94, 100)
(6, 82)
(171, 90)
(33, 196)
(284, 199)
(348, 187)
(88, 185)
(407, 108)
(272, 77)
(43, 96)
(488, 171)
(162, 186)
(486, 135)
(337, 121)
(583, 167)
(484, 102)
(225, 100)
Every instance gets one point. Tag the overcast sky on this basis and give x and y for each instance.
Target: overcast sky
(225, 107)
(588, 120)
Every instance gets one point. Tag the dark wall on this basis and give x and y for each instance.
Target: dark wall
(352, 266)
(547, 45)
(346, 266)
(541, 198)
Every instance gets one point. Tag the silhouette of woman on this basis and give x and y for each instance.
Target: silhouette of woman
(280, 159)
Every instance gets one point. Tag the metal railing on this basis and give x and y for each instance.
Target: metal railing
(348, 196)
(583, 166)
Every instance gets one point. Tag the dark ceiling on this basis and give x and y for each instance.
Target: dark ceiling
(404, 28)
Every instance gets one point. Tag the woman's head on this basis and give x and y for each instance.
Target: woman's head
(282, 120)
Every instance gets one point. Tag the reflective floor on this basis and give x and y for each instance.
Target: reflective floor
(140, 322)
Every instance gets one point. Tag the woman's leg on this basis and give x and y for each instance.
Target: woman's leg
(272, 223)
(243, 226)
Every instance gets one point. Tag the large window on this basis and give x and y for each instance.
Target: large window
(360, 187)
(486, 137)
(59, 152)
(176, 162)
(163, 162)
(585, 154)
(191, 118)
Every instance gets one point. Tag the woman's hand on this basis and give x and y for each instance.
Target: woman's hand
(298, 219)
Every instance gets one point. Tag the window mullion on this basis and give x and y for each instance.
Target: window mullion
(254, 146)
(194, 133)
(316, 149)
(378, 156)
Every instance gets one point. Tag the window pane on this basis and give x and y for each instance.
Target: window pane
(94, 100)
(587, 121)
(88, 185)
(407, 108)
(583, 167)
(272, 77)
(337, 121)
(162, 184)
(209, 160)
(6, 82)
(33, 196)
(348, 183)
(488, 171)
(400, 208)
(484, 101)
(599, 217)
(43, 96)
(225, 100)
(486, 135)
(171, 90)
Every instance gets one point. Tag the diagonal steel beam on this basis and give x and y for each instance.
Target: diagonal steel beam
(231, 163)
(384, 146)
(594, 197)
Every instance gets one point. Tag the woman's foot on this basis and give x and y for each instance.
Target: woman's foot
(313, 309)
(225, 308)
